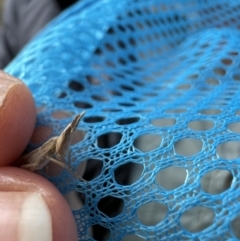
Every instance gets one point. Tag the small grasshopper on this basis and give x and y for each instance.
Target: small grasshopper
(54, 150)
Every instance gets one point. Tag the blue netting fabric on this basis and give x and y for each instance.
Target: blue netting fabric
(159, 80)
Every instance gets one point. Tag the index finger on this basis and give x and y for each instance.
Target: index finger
(17, 118)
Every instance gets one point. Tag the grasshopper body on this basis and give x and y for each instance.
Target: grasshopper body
(56, 149)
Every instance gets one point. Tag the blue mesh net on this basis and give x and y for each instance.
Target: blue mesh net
(159, 81)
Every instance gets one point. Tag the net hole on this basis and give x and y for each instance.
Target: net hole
(107, 206)
(229, 150)
(41, 108)
(236, 77)
(125, 104)
(193, 76)
(115, 93)
(127, 87)
(100, 233)
(212, 81)
(93, 80)
(61, 114)
(175, 111)
(121, 44)
(151, 94)
(163, 122)
(61, 94)
(127, 121)
(122, 61)
(109, 47)
(235, 227)
(234, 127)
(126, 169)
(138, 83)
(98, 51)
(99, 98)
(152, 213)
(188, 147)
(168, 179)
(138, 99)
(147, 142)
(112, 110)
(197, 219)
(93, 119)
(219, 71)
(233, 53)
(109, 140)
(210, 111)
(82, 105)
(94, 169)
(216, 181)
(201, 125)
(184, 87)
(227, 61)
(76, 86)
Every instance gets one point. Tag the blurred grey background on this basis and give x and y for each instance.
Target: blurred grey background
(1, 3)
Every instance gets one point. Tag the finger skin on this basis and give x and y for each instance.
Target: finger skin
(17, 118)
(63, 223)
(17, 122)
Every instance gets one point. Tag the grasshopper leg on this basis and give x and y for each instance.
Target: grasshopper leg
(30, 167)
(68, 168)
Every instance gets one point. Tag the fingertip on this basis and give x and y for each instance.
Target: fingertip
(17, 118)
(41, 198)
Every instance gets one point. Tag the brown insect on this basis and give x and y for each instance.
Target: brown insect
(55, 150)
